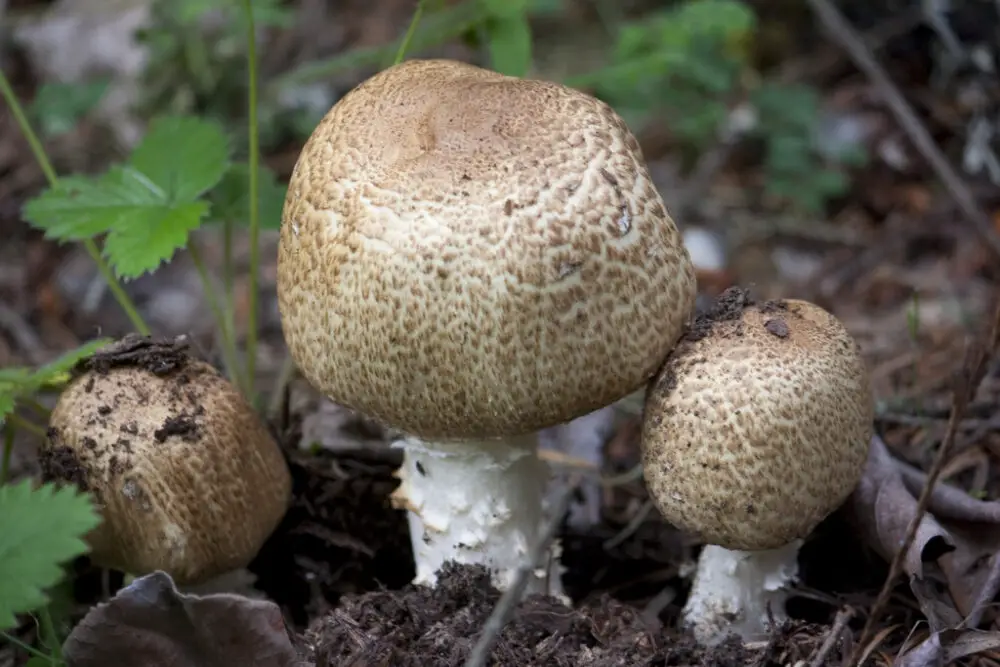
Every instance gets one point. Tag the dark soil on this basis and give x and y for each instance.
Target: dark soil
(158, 356)
(61, 464)
(420, 626)
(340, 567)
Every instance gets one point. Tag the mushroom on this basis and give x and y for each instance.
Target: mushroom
(185, 474)
(469, 258)
(755, 430)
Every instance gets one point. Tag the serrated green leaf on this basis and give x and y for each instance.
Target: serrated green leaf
(231, 197)
(79, 208)
(152, 237)
(183, 155)
(40, 529)
(510, 44)
(50, 372)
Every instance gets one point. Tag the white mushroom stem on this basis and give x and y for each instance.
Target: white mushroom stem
(477, 503)
(733, 592)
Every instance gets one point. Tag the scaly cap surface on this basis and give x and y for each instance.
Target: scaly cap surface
(758, 425)
(469, 255)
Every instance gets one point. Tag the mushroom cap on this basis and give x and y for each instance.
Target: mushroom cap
(759, 423)
(470, 255)
(186, 476)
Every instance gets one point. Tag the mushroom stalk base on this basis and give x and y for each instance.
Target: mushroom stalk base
(477, 503)
(739, 592)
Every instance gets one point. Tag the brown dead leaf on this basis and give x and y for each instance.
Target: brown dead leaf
(943, 648)
(150, 623)
(959, 533)
(883, 508)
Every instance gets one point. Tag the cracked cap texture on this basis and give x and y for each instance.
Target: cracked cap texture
(469, 255)
(758, 425)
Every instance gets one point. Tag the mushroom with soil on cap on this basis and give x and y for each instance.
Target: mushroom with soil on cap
(186, 476)
(469, 258)
(755, 430)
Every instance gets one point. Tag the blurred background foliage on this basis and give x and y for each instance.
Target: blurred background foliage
(696, 67)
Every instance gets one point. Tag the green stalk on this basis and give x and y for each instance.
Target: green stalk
(36, 407)
(17, 421)
(229, 353)
(228, 273)
(419, 12)
(8, 448)
(50, 636)
(251, 352)
(50, 174)
(30, 650)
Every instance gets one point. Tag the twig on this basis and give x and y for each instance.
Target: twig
(510, 598)
(967, 383)
(839, 623)
(848, 39)
(14, 324)
(632, 526)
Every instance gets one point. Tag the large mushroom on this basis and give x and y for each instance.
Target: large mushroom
(755, 430)
(469, 258)
(187, 477)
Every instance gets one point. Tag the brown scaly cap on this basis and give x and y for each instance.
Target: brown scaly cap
(186, 475)
(469, 255)
(758, 425)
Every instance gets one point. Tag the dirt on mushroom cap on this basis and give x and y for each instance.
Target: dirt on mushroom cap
(468, 255)
(757, 427)
(188, 478)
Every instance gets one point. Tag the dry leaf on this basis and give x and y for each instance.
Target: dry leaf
(883, 508)
(943, 648)
(150, 623)
(959, 532)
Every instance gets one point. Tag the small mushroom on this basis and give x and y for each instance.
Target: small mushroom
(187, 477)
(470, 258)
(755, 430)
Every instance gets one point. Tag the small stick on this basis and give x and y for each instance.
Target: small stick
(508, 601)
(848, 39)
(839, 623)
(967, 384)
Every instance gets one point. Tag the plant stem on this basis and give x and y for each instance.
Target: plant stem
(228, 273)
(30, 650)
(409, 32)
(50, 637)
(20, 422)
(254, 160)
(36, 407)
(50, 175)
(229, 353)
(8, 448)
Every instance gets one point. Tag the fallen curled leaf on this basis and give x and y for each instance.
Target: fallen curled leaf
(943, 648)
(883, 508)
(150, 623)
(958, 535)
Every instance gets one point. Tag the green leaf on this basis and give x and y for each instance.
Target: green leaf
(510, 44)
(78, 208)
(231, 197)
(40, 529)
(152, 238)
(59, 106)
(7, 403)
(50, 373)
(184, 156)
